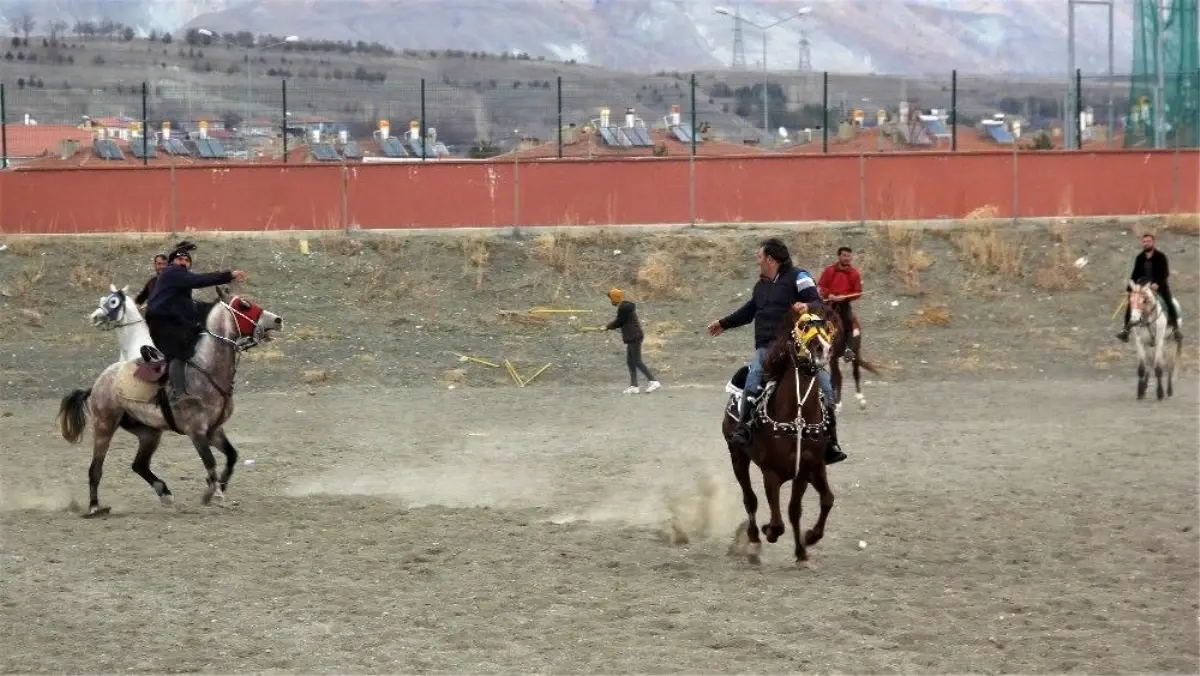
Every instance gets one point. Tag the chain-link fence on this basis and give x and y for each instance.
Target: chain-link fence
(273, 109)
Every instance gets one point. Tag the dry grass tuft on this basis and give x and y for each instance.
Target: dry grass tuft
(32, 318)
(983, 213)
(1182, 224)
(1107, 356)
(269, 353)
(341, 244)
(657, 334)
(475, 259)
(316, 376)
(906, 259)
(454, 375)
(1058, 271)
(658, 277)
(25, 247)
(990, 251)
(930, 315)
(27, 280)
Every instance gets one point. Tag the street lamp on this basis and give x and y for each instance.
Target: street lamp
(212, 34)
(1072, 122)
(798, 13)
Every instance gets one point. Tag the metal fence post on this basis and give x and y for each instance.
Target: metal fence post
(825, 112)
(954, 110)
(862, 187)
(424, 135)
(692, 154)
(1016, 189)
(3, 126)
(560, 124)
(145, 126)
(1078, 109)
(285, 122)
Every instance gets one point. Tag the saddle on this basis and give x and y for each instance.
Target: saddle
(152, 367)
(736, 389)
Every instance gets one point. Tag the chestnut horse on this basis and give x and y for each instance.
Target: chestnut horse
(788, 433)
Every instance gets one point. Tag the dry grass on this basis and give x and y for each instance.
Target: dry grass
(659, 278)
(906, 259)
(341, 244)
(313, 333)
(32, 318)
(91, 274)
(475, 259)
(930, 315)
(26, 283)
(1105, 357)
(983, 213)
(1058, 272)
(21, 246)
(268, 353)
(990, 251)
(1182, 224)
(315, 376)
(657, 334)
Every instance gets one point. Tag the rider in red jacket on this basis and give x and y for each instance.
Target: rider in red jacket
(839, 284)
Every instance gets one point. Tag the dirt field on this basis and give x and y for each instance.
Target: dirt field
(1014, 519)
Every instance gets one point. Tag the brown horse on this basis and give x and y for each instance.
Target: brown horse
(129, 395)
(788, 433)
(848, 337)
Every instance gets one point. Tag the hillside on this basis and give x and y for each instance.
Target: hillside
(469, 96)
(896, 36)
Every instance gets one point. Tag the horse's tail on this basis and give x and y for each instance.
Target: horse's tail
(72, 415)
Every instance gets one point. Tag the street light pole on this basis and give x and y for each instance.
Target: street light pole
(801, 12)
(249, 87)
(1073, 119)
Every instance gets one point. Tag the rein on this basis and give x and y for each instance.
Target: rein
(798, 426)
(238, 345)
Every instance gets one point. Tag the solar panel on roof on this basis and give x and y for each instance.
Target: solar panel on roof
(323, 152)
(682, 133)
(937, 127)
(999, 134)
(175, 146)
(203, 149)
(215, 147)
(139, 151)
(640, 137)
(107, 149)
(441, 149)
(606, 133)
(392, 147)
(351, 151)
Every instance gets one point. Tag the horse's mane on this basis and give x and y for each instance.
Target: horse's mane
(779, 350)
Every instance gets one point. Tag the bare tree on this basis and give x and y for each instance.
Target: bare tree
(26, 23)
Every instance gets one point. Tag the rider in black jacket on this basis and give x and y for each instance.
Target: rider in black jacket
(1151, 264)
(781, 287)
(171, 313)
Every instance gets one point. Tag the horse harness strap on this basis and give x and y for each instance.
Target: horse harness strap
(798, 426)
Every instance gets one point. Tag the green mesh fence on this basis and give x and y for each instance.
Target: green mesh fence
(1174, 23)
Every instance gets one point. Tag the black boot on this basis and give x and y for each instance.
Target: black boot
(741, 434)
(1123, 336)
(833, 450)
(177, 373)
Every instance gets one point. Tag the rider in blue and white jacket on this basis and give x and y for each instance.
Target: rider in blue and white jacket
(782, 287)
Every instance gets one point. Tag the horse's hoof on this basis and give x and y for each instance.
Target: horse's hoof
(753, 559)
(753, 551)
(811, 538)
(96, 511)
(167, 500)
(802, 562)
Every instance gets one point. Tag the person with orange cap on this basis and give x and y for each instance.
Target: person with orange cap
(632, 336)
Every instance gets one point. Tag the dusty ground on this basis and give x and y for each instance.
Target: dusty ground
(1008, 529)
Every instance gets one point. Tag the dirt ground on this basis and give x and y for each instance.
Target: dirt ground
(1014, 519)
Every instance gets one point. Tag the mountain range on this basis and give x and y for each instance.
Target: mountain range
(993, 37)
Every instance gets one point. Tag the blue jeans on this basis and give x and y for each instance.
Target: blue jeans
(754, 377)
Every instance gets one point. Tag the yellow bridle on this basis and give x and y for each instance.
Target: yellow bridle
(809, 327)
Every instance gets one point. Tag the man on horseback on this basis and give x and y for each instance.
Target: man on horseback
(172, 316)
(839, 284)
(781, 287)
(160, 264)
(1151, 264)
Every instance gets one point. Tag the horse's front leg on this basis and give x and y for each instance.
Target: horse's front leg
(219, 439)
(835, 374)
(771, 485)
(795, 508)
(212, 484)
(1158, 362)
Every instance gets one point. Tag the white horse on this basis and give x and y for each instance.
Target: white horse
(1148, 324)
(118, 312)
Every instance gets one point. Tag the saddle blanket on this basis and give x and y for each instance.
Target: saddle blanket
(132, 388)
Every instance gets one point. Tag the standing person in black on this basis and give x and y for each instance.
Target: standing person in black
(632, 336)
(160, 264)
(1151, 265)
(172, 317)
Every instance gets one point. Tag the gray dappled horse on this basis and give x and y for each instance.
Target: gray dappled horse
(131, 395)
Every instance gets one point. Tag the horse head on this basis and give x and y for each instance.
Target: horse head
(1141, 300)
(803, 338)
(242, 322)
(113, 309)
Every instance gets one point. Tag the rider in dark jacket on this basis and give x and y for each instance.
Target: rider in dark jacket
(781, 287)
(1151, 265)
(171, 313)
